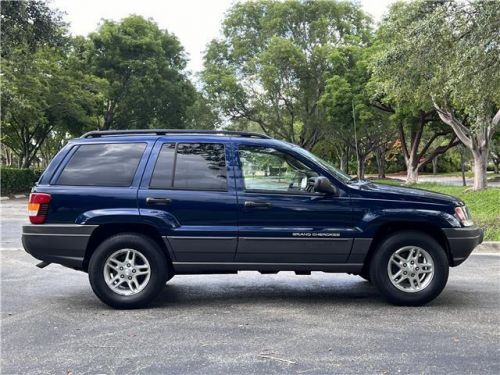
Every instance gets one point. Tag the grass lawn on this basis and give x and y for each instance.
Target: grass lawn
(484, 205)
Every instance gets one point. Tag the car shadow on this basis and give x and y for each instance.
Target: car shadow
(187, 294)
(227, 291)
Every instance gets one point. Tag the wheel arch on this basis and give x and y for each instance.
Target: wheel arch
(389, 228)
(104, 231)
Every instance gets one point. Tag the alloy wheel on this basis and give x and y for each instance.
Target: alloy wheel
(127, 272)
(410, 269)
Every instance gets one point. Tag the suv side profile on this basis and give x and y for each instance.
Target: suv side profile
(134, 208)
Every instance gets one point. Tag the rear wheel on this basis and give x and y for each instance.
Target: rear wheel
(409, 268)
(128, 270)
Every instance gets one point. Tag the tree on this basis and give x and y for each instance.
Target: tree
(351, 117)
(41, 93)
(446, 53)
(201, 114)
(41, 90)
(30, 25)
(143, 67)
(271, 65)
(396, 89)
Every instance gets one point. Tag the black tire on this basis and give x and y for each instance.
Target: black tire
(380, 277)
(159, 270)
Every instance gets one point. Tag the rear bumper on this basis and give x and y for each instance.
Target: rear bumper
(462, 241)
(58, 243)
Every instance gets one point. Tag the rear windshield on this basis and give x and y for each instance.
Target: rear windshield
(103, 164)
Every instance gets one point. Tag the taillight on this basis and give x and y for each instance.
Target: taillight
(38, 207)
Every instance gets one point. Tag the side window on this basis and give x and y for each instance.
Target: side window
(267, 169)
(103, 164)
(163, 173)
(198, 166)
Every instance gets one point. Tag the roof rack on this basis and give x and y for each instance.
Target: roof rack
(107, 133)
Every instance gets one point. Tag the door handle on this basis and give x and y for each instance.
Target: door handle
(251, 204)
(164, 201)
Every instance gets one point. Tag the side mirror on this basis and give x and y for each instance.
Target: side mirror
(324, 186)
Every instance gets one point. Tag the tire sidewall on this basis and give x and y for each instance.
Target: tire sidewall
(380, 277)
(149, 249)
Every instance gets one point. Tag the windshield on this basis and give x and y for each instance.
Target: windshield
(343, 177)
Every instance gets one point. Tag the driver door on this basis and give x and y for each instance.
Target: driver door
(281, 218)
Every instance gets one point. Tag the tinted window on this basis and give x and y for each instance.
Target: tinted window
(105, 164)
(200, 166)
(267, 169)
(162, 174)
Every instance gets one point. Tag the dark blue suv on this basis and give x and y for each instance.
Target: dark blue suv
(134, 208)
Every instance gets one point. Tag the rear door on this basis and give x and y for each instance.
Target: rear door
(186, 187)
(281, 218)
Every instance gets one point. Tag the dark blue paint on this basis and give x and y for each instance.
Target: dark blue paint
(358, 210)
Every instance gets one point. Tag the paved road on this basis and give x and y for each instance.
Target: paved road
(246, 323)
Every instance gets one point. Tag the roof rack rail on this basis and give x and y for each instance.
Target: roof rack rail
(106, 133)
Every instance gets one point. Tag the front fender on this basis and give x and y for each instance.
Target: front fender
(372, 220)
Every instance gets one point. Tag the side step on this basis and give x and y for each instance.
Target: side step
(43, 264)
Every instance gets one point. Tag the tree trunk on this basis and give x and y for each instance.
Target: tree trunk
(476, 139)
(462, 166)
(480, 156)
(380, 159)
(347, 160)
(361, 167)
(412, 175)
(496, 162)
(343, 161)
(435, 166)
(411, 170)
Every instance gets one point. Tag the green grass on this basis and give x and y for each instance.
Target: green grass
(484, 205)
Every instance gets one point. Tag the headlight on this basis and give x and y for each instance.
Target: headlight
(462, 214)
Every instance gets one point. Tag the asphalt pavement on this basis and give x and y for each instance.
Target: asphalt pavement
(51, 323)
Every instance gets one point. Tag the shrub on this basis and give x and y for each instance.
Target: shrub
(17, 180)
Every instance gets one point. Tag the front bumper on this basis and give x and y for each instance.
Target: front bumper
(64, 244)
(462, 241)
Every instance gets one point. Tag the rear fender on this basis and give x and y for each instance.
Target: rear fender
(161, 220)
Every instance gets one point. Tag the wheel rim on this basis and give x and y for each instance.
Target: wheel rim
(127, 272)
(411, 269)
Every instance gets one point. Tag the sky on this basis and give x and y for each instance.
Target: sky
(194, 22)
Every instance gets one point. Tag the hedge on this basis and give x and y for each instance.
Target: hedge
(18, 180)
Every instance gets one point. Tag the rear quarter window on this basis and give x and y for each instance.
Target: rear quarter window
(103, 164)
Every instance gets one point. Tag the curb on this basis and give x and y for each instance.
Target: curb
(488, 247)
(15, 196)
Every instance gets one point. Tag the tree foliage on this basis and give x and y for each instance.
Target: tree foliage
(128, 74)
(352, 120)
(271, 65)
(443, 56)
(29, 25)
(143, 67)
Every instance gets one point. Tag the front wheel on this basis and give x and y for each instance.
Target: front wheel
(128, 270)
(409, 268)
